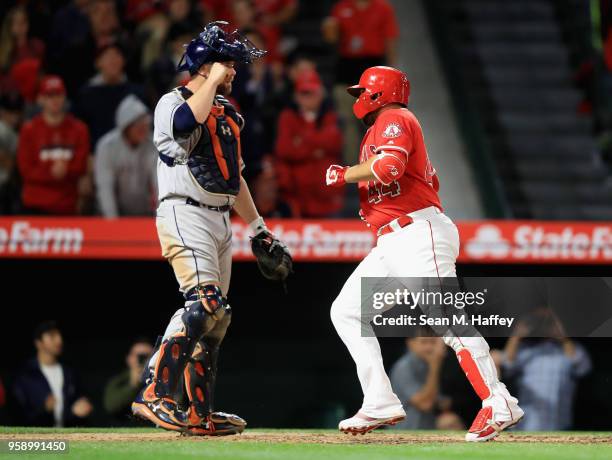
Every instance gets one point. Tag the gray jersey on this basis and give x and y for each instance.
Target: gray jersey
(177, 180)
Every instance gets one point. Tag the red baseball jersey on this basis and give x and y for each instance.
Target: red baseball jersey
(40, 145)
(364, 31)
(398, 131)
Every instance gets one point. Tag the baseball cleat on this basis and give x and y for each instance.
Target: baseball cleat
(163, 413)
(484, 428)
(218, 424)
(361, 423)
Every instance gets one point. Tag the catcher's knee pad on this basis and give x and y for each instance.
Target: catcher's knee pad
(208, 308)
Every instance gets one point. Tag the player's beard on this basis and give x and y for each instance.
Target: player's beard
(225, 88)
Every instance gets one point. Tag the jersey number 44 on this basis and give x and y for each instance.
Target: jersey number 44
(376, 191)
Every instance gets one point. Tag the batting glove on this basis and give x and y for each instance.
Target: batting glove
(335, 176)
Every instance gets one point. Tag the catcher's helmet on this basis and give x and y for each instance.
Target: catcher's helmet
(216, 44)
(377, 87)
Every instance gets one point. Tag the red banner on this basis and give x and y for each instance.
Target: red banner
(309, 240)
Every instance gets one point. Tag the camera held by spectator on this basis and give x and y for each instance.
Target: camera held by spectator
(121, 390)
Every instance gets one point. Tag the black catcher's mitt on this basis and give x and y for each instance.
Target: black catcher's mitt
(273, 258)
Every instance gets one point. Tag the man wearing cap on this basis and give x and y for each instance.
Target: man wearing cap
(308, 139)
(52, 154)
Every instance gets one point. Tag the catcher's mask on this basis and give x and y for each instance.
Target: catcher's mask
(217, 44)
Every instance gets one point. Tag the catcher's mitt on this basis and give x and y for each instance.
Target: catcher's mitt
(273, 258)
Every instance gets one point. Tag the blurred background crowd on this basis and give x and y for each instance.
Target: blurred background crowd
(529, 133)
(79, 80)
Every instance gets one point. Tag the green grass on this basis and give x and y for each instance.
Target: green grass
(197, 448)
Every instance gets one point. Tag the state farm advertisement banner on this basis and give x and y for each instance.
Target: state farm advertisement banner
(309, 240)
(536, 242)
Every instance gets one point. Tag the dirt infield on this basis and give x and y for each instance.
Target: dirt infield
(306, 437)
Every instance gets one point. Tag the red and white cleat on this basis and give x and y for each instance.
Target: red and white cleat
(361, 424)
(484, 428)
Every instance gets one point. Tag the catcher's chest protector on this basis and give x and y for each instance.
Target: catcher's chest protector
(215, 161)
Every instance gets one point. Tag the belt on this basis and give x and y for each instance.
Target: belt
(404, 221)
(224, 208)
(192, 202)
(394, 225)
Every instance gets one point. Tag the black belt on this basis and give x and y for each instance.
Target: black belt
(192, 202)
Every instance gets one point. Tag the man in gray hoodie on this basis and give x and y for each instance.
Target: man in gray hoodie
(125, 163)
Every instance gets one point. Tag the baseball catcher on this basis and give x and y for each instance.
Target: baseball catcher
(197, 134)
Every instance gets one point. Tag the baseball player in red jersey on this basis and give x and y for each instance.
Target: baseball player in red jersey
(398, 190)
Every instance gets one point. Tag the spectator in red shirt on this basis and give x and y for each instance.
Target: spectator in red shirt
(365, 32)
(308, 139)
(15, 42)
(52, 155)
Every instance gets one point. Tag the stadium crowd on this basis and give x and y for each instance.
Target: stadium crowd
(79, 80)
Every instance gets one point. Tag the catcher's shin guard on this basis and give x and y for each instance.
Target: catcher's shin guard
(200, 381)
(197, 377)
(212, 342)
(198, 318)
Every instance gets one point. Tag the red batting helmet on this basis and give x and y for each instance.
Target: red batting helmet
(377, 87)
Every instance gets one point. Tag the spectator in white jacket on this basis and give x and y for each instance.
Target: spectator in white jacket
(125, 163)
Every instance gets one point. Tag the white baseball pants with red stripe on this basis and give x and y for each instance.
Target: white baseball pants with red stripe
(426, 248)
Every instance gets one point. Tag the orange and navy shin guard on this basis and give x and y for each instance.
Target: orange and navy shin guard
(197, 377)
(201, 316)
